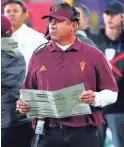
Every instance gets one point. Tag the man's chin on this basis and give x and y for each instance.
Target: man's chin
(54, 38)
(13, 24)
(111, 26)
(12, 21)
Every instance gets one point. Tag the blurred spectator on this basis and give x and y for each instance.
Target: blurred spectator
(85, 16)
(16, 130)
(27, 38)
(83, 31)
(111, 42)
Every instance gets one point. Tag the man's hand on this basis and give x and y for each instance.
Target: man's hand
(21, 106)
(87, 97)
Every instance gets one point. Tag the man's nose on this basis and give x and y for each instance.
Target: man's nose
(53, 25)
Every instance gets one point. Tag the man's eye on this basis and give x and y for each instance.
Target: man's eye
(8, 11)
(50, 20)
(55, 21)
(58, 21)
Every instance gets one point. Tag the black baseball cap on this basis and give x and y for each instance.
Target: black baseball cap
(114, 7)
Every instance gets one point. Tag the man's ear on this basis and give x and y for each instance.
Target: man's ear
(103, 15)
(26, 15)
(74, 24)
(87, 19)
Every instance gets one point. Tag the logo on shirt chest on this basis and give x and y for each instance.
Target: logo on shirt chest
(82, 65)
(42, 68)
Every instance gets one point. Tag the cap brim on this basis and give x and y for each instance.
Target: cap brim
(55, 16)
(111, 10)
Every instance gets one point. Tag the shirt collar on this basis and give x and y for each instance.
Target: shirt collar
(65, 47)
(75, 46)
(20, 30)
(80, 32)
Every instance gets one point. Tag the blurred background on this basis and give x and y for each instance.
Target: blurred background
(38, 8)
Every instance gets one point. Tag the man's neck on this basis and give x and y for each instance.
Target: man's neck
(84, 28)
(67, 41)
(15, 28)
(113, 34)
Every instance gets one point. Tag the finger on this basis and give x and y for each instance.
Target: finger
(88, 102)
(87, 92)
(89, 97)
(24, 105)
(84, 97)
(20, 102)
(23, 110)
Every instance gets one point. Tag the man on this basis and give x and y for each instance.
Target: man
(83, 31)
(28, 39)
(16, 131)
(70, 62)
(84, 18)
(111, 42)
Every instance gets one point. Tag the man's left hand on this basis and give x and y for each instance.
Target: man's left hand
(87, 97)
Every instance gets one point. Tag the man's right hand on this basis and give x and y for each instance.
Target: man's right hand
(22, 107)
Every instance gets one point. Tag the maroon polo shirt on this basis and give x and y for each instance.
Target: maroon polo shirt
(51, 68)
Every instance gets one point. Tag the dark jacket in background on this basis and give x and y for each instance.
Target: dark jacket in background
(80, 34)
(103, 42)
(12, 77)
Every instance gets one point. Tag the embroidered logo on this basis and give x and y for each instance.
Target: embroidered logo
(82, 65)
(43, 68)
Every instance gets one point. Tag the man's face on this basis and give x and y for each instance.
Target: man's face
(60, 30)
(112, 20)
(84, 21)
(15, 14)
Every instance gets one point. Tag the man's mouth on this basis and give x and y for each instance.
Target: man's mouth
(53, 33)
(110, 22)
